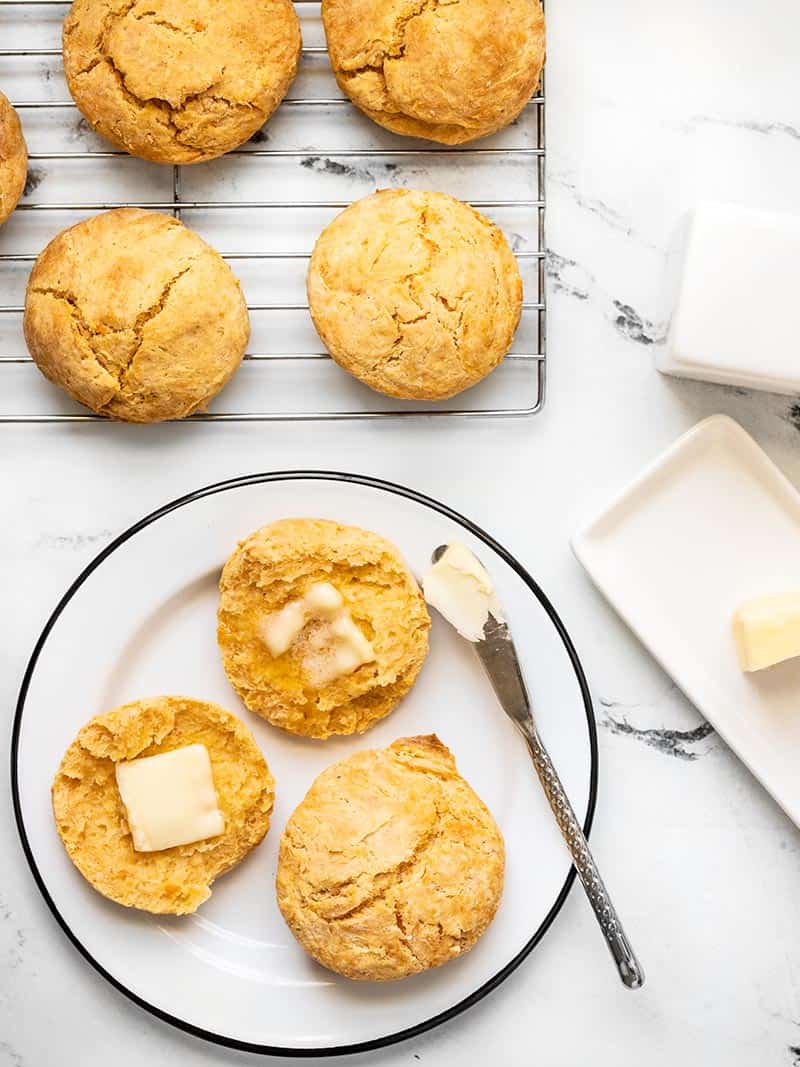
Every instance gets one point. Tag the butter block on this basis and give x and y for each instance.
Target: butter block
(767, 630)
(737, 316)
(170, 798)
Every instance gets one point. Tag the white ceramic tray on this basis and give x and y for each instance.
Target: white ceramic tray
(712, 522)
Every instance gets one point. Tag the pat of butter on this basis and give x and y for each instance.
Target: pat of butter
(332, 646)
(459, 587)
(737, 316)
(767, 630)
(170, 798)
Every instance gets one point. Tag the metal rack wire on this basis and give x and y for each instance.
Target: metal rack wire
(528, 398)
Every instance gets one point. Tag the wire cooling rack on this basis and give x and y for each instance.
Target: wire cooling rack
(269, 239)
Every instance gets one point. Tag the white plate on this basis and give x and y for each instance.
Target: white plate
(141, 621)
(708, 525)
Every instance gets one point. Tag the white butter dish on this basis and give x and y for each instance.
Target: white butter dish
(710, 524)
(737, 315)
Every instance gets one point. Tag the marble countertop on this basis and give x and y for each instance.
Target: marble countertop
(650, 107)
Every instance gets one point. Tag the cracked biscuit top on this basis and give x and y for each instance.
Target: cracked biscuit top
(446, 70)
(415, 293)
(13, 159)
(135, 316)
(391, 864)
(180, 81)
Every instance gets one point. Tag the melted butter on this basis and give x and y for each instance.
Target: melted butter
(329, 643)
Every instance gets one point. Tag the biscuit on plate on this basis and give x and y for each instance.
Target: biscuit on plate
(91, 819)
(266, 579)
(391, 864)
(13, 159)
(179, 81)
(447, 71)
(415, 293)
(135, 316)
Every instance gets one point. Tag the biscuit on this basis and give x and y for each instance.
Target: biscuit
(13, 159)
(391, 864)
(180, 81)
(91, 820)
(415, 293)
(445, 70)
(135, 316)
(276, 565)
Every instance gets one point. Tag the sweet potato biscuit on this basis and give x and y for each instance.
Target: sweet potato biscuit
(91, 820)
(391, 864)
(13, 159)
(180, 81)
(415, 293)
(447, 70)
(135, 316)
(276, 565)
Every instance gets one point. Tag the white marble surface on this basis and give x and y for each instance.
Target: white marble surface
(650, 107)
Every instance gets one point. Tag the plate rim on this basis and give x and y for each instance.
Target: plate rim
(369, 482)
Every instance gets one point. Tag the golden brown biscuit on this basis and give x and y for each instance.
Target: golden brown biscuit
(447, 70)
(135, 316)
(180, 81)
(278, 564)
(391, 864)
(13, 159)
(415, 293)
(91, 820)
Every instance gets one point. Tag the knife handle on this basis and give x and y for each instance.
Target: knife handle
(630, 970)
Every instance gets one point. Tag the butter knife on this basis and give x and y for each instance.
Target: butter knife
(500, 661)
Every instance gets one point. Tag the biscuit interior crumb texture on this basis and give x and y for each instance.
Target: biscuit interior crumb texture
(13, 159)
(276, 565)
(91, 819)
(391, 864)
(135, 316)
(415, 293)
(180, 81)
(447, 70)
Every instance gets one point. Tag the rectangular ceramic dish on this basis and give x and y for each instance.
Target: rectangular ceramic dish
(711, 523)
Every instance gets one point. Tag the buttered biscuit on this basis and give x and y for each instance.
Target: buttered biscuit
(135, 316)
(13, 159)
(92, 821)
(415, 293)
(180, 81)
(391, 864)
(322, 627)
(449, 71)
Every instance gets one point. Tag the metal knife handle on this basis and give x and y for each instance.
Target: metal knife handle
(629, 968)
